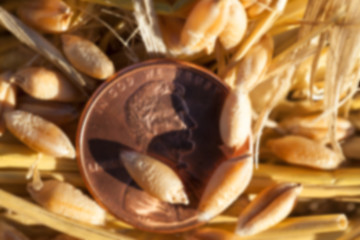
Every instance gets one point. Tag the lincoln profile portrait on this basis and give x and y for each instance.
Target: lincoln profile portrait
(158, 116)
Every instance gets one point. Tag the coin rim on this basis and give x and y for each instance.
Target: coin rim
(85, 112)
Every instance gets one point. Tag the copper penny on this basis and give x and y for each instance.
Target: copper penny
(163, 108)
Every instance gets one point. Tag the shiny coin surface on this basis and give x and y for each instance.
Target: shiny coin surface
(162, 108)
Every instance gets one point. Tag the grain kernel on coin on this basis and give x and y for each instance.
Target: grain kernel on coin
(305, 152)
(270, 207)
(235, 27)
(64, 199)
(50, 16)
(87, 57)
(46, 84)
(235, 120)
(156, 178)
(226, 184)
(39, 134)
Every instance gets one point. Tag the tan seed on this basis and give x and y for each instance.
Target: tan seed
(211, 35)
(309, 127)
(46, 84)
(235, 121)
(226, 184)
(64, 199)
(203, 25)
(252, 67)
(288, 109)
(171, 35)
(156, 178)
(7, 98)
(270, 207)
(39, 134)
(264, 92)
(51, 16)
(235, 27)
(250, 70)
(305, 152)
(87, 57)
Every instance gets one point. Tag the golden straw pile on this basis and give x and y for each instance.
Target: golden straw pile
(293, 70)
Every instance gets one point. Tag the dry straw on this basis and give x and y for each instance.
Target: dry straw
(299, 43)
(19, 177)
(38, 43)
(17, 156)
(349, 176)
(262, 26)
(149, 29)
(294, 226)
(343, 41)
(62, 224)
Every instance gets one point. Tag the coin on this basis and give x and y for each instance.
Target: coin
(163, 108)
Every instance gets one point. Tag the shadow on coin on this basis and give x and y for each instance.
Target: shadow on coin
(106, 154)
